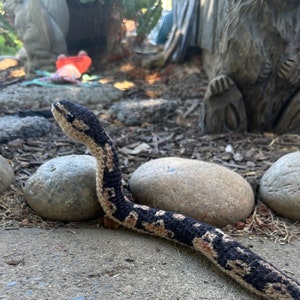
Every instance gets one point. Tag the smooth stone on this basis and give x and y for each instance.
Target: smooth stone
(279, 186)
(7, 175)
(205, 191)
(64, 189)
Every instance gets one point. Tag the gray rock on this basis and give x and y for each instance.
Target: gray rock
(64, 189)
(137, 112)
(13, 127)
(205, 191)
(279, 186)
(35, 96)
(6, 174)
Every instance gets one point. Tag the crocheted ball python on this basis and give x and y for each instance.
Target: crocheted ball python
(247, 268)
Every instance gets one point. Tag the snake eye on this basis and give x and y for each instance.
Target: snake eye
(70, 118)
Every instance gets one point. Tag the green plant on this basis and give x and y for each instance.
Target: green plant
(9, 43)
(145, 12)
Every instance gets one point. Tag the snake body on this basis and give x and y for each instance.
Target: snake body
(240, 263)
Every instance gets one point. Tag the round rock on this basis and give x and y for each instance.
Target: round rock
(6, 174)
(64, 189)
(205, 191)
(279, 186)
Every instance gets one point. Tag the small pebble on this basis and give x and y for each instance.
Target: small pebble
(79, 298)
(28, 293)
(11, 283)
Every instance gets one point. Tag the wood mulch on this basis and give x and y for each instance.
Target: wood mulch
(248, 154)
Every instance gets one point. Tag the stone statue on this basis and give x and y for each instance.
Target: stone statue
(42, 26)
(255, 78)
(49, 28)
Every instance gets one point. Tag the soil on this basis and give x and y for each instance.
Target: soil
(249, 154)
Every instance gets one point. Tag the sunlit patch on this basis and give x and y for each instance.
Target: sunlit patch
(7, 62)
(127, 67)
(106, 80)
(124, 85)
(152, 78)
(17, 73)
(153, 93)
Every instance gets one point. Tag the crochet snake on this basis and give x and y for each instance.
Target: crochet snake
(247, 268)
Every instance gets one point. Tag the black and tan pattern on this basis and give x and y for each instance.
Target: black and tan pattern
(247, 268)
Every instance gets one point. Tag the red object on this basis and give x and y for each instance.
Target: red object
(68, 72)
(82, 62)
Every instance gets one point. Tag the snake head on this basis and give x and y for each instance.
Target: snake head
(77, 121)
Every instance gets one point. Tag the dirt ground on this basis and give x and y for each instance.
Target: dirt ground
(30, 245)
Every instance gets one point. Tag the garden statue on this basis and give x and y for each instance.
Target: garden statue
(255, 78)
(42, 26)
(48, 28)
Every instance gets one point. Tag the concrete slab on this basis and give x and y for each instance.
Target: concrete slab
(97, 263)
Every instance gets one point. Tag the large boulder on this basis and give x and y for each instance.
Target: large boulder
(205, 191)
